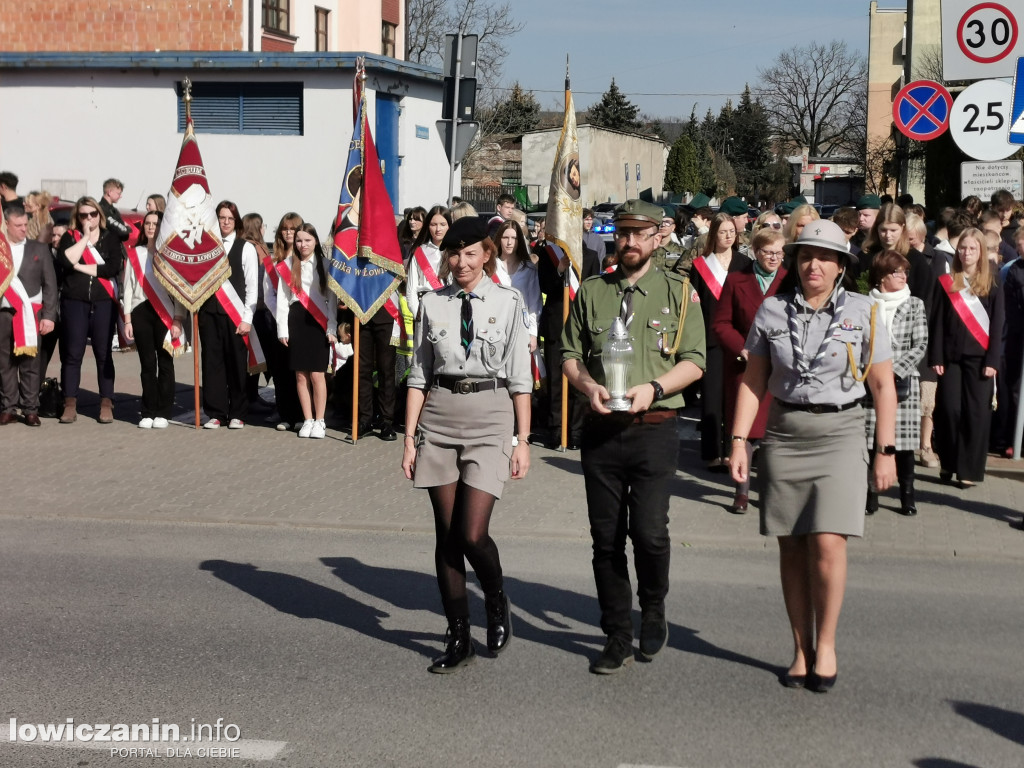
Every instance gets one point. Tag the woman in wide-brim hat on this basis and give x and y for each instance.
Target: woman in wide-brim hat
(813, 347)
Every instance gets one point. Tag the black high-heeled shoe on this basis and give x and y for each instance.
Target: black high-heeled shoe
(819, 683)
(797, 681)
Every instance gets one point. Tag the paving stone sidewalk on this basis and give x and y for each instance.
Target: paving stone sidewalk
(259, 476)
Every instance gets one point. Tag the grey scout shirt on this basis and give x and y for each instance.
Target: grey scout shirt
(832, 382)
(501, 344)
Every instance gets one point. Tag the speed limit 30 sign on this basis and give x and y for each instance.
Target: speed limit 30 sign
(981, 39)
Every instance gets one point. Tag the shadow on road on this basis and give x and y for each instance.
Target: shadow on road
(941, 762)
(307, 600)
(541, 613)
(1004, 722)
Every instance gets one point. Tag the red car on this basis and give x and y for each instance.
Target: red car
(60, 212)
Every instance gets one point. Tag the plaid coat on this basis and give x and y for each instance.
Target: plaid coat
(909, 336)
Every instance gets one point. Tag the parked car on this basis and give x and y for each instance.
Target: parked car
(60, 212)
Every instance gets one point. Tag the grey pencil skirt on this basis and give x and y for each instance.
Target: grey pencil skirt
(814, 473)
(465, 437)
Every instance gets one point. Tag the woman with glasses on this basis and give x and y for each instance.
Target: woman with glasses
(904, 318)
(966, 331)
(719, 258)
(154, 322)
(90, 260)
(742, 295)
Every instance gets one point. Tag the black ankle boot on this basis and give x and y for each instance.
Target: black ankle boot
(499, 622)
(905, 473)
(872, 504)
(459, 650)
(907, 506)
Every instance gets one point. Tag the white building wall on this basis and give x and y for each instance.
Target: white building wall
(603, 157)
(87, 126)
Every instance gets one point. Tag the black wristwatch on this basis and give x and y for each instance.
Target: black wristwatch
(659, 391)
(887, 450)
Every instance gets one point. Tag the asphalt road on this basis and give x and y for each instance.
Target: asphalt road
(315, 643)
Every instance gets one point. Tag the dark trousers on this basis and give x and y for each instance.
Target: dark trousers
(712, 406)
(1009, 391)
(276, 353)
(82, 320)
(376, 353)
(19, 374)
(225, 363)
(156, 363)
(963, 418)
(627, 469)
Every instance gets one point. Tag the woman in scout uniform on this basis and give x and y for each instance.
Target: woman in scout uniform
(813, 349)
(307, 324)
(743, 293)
(469, 385)
(425, 262)
(906, 322)
(720, 257)
(966, 330)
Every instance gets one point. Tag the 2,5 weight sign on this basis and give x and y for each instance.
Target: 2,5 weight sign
(980, 39)
(980, 120)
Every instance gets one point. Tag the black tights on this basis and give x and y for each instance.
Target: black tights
(462, 516)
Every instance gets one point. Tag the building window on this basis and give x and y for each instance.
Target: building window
(387, 37)
(275, 15)
(321, 29)
(249, 108)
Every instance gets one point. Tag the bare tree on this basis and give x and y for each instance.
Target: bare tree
(815, 97)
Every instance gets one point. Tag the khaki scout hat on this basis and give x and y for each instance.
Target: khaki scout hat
(822, 234)
(639, 213)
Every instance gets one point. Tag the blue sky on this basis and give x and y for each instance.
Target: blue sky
(707, 50)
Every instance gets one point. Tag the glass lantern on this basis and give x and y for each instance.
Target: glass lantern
(617, 359)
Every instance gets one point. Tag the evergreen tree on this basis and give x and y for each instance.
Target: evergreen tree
(518, 113)
(751, 155)
(704, 174)
(614, 111)
(681, 172)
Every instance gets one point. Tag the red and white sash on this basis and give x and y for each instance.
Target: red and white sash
(232, 303)
(713, 273)
(423, 262)
(92, 256)
(285, 273)
(270, 269)
(970, 310)
(25, 325)
(157, 297)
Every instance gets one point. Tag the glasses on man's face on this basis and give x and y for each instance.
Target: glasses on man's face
(639, 237)
(88, 214)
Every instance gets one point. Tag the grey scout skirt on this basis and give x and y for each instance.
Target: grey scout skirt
(465, 437)
(814, 472)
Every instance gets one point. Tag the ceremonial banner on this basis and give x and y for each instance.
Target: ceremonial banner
(190, 260)
(365, 266)
(563, 227)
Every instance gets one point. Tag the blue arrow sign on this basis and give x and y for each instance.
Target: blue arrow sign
(1016, 135)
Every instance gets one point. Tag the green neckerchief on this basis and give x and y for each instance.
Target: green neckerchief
(764, 278)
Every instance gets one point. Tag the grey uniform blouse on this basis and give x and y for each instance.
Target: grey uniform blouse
(832, 382)
(500, 346)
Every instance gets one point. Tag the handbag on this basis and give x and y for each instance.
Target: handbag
(902, 388)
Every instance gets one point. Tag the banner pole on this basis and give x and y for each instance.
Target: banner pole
(565, 380)
(195, 363)
(355, 380)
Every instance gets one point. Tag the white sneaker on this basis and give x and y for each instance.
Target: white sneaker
(236, 424)
(159, 423)
(319, 429)
(284, 426)
(146, 423)
(307, 428)
(212, 424)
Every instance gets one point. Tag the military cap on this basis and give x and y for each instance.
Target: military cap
(699, 201)
(639, 213)
(465, 232)
(868, 201)
(669, 211)
(733, 206)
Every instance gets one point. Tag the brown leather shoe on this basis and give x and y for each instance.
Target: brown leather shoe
(7, 418)
(70, 410)
(106, 411)
(32, 420)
